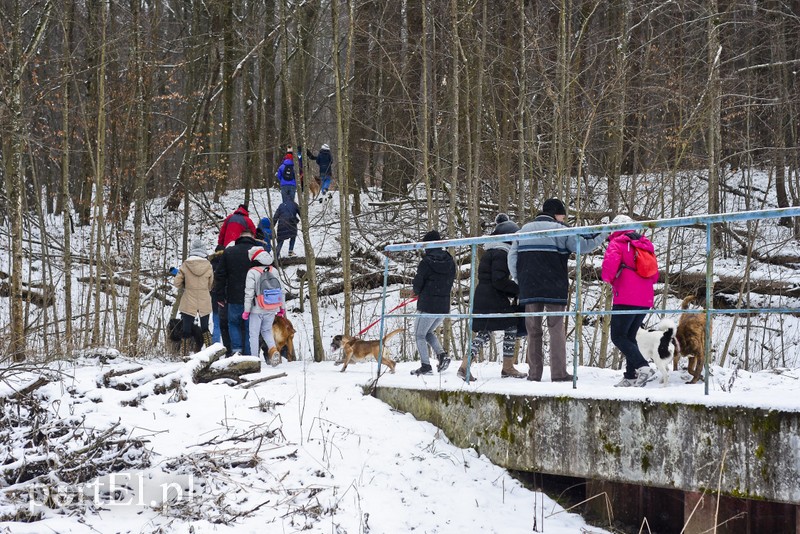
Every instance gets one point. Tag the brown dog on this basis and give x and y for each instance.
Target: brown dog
(691, 336)
(358, 349)
(314, 187)
(283, 332)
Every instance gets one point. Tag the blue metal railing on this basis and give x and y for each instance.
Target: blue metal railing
(473, 242)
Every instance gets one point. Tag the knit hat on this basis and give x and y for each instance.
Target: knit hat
(198, 248)
(243, 206)
(259, 255)
(289, 150)
(324, 146)
(620, 219)
(433, 235)
(504, 225)
(264, 224)
(553, 206)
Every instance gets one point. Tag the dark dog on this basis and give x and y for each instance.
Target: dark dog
(358, 349)
(691, 336)
(175, 331)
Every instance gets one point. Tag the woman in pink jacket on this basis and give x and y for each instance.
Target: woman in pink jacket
(631, 291)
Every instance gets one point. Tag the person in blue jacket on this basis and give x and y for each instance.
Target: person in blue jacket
(287, 177)
(325, 161)
(264, 233)
(286, 218)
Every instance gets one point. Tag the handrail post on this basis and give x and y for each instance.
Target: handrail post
(473, 261)
(709, 303)
(383, 316)
(578, 321)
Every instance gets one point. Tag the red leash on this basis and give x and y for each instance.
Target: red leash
(376, 321)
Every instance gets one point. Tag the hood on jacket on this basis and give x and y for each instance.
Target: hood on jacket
(438, 259)
(259, 256)
(198, 266)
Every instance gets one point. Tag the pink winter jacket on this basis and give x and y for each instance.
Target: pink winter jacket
(628, 287)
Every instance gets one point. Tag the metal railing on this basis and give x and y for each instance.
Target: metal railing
(473, 242)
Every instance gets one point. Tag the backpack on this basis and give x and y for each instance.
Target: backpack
(268, 289)
(645, 263)
(288, 173)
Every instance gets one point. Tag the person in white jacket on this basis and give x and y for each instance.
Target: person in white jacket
(260, 310)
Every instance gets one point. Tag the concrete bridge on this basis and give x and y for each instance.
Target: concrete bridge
(674, 463)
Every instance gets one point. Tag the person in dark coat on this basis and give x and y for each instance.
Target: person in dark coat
(286, 176)
(230, 277)
(324, 161)
(233, 225)
(219, 314)
(432, 284)
(540, 267)
(286, 218)
(264, 233)
(495, 293)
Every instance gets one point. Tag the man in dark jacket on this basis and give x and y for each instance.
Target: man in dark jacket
(233, 225)
(432, 284)
(219, 314)
(286, 218)
(495, 293)
(229, 281)
(539, 265)
(324, 160)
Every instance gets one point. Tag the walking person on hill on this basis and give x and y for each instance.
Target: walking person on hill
(261, 305)
(539, 265)
(432, 284)
(219, 314)
(324, 160)
(231, 275)
(286, 218)
(630, 291)
(495, 293)
(264, 233)
(287, 177)
(233, 225)
(196, 277)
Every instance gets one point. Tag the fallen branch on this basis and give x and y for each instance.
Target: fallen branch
(248, 385)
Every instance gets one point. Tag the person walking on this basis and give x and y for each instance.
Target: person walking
(196, 277)
(230, 278)
(286, 218)
(324, 160)
(286, 176)
(262, 304)
(539, 265)
(432, 284)
(219, 314)
(264, 233)
(495, 293)
(233, 225)
(630, 291)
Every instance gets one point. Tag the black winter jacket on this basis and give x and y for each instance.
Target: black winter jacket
(495, 289)
(230, 274)
(434, 281)
(286, 218)
(324, 160)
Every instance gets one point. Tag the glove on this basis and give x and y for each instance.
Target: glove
(174, 271)
(282, 312)
(245, 315)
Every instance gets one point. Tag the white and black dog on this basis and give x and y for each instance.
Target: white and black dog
(660, 345)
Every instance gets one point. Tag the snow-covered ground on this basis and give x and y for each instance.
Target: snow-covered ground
(309, 451)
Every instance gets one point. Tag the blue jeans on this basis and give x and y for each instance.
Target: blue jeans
(238, 329)
(287, 192)
(216, 335)
(326, 183)
(279, 245)
(623, 336)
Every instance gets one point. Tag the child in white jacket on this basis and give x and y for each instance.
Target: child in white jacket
(259, 309)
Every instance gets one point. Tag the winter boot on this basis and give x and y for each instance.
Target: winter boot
(207, 339)
(424, 369)
(274, 357)
(185, 347)
(444, 361)
(462, 372)
(509, 370)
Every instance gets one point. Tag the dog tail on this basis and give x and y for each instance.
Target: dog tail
(392, 333)
(686, 301)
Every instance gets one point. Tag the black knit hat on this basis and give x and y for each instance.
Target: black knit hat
(433, 235)
(553, 206)
(504, 225)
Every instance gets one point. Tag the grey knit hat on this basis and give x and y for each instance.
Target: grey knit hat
(504, 225)
(198, 248)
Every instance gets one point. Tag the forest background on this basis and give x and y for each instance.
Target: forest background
(451, 109)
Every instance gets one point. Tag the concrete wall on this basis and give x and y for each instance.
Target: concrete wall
(679, 446)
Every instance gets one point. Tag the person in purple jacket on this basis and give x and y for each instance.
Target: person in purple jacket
(629, 292)
(286, 177)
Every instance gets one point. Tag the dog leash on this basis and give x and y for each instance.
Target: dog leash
(376, 321)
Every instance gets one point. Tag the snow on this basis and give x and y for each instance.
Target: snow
(310, 451)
